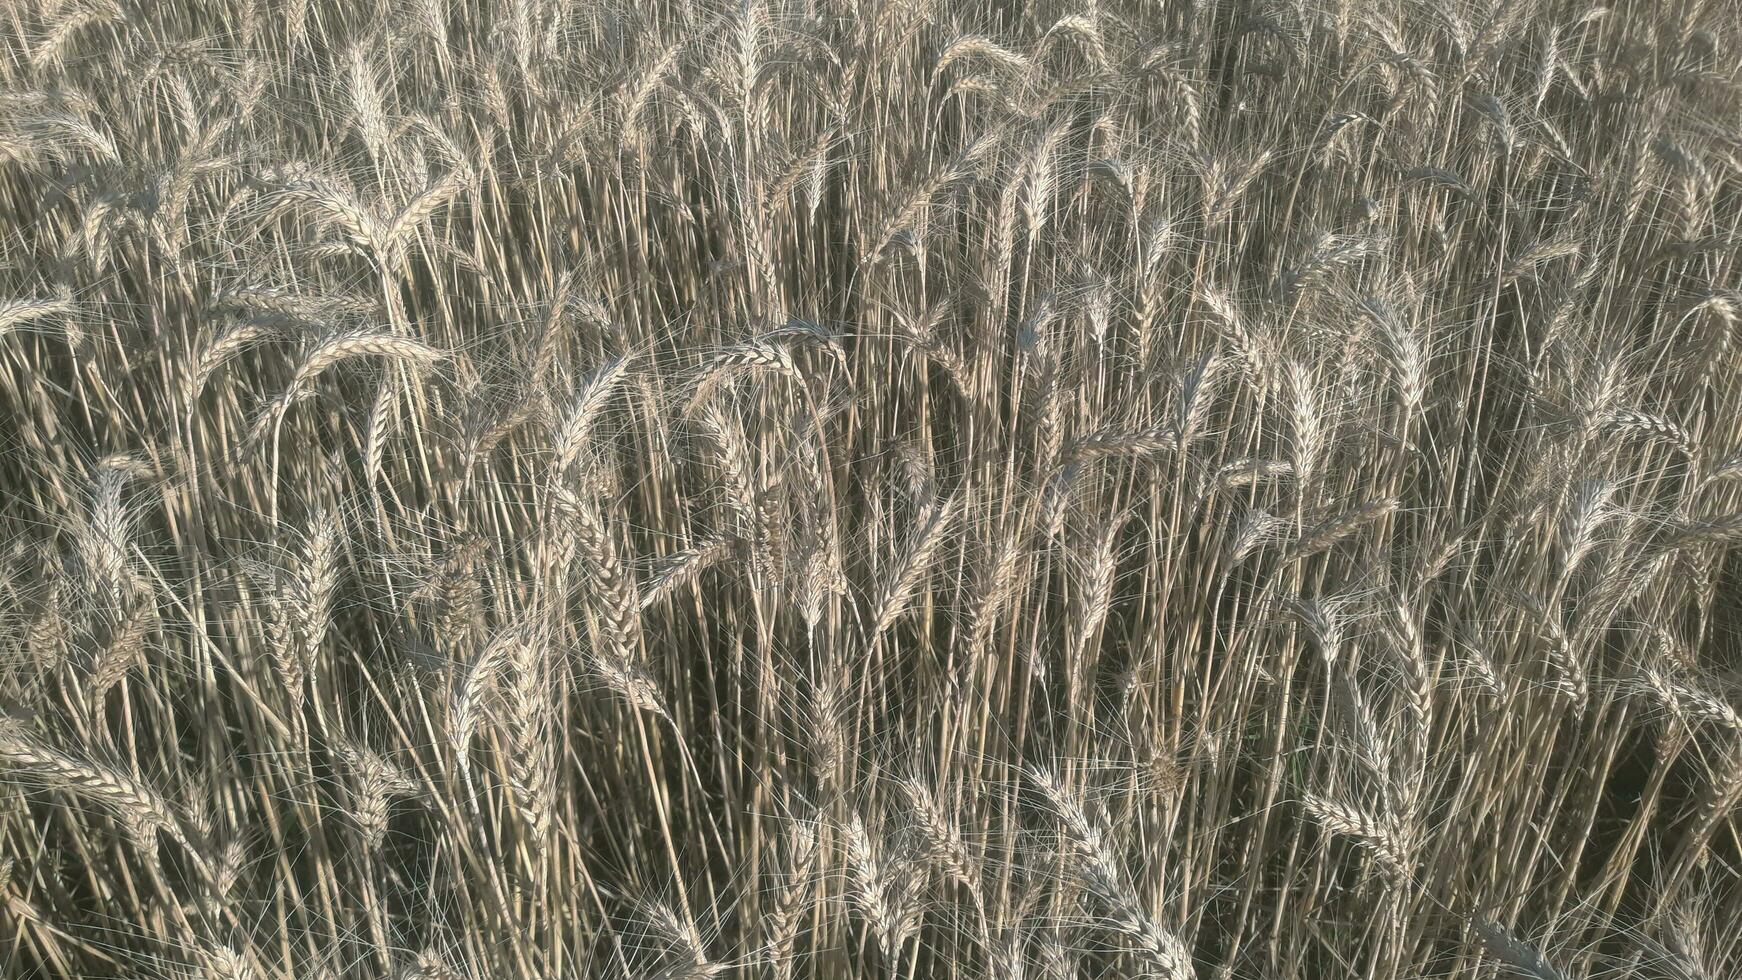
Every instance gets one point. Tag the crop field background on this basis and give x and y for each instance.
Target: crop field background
(888, 489)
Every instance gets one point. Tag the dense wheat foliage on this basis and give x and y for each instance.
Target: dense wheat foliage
(887, 489)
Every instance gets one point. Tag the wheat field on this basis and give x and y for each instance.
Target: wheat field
(889, 489)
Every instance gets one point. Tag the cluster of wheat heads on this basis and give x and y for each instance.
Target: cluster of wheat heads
(914, 489)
